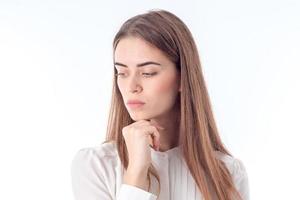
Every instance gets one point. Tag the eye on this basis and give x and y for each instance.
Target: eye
(119, 74)
(149, 74)
(144, 74)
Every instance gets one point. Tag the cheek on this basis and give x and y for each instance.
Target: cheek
(120, 87)
(166, 87)
(163, 95)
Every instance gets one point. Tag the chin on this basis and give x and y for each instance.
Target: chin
(140, 116)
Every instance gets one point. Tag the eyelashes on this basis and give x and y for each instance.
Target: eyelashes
(144, 74)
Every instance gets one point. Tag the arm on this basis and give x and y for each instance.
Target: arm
(136, 183)
(88, 181)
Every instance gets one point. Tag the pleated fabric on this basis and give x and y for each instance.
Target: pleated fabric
(97, 175)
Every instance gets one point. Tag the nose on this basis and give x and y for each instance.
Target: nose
(134, 85)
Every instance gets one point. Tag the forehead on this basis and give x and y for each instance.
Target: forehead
(134, 49)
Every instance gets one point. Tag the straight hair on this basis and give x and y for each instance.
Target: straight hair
(198, 134)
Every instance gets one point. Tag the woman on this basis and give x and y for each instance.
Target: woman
(162, 140)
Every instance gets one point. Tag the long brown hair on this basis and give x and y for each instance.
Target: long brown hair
(198, 134)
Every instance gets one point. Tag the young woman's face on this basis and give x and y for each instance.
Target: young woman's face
(147, 75)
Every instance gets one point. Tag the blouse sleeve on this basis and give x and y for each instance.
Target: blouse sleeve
(90, 183)
(128, 192)
(241, 179)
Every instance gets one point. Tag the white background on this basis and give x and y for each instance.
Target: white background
(56, 74)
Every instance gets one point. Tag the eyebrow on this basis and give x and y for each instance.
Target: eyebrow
(140, 64)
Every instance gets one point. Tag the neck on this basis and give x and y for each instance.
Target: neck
(169, 137)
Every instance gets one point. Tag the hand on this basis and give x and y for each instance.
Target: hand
(138, 137)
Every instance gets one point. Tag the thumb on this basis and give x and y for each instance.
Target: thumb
(156, 124)
(155, 136)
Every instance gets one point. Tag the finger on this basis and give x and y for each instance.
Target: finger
(159, 127)
(150, 140)
(155, 137)
(152, 134)
(156, 124)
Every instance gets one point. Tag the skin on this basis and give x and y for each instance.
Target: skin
(156, 122)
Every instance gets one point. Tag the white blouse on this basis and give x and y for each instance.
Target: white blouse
(97, 175)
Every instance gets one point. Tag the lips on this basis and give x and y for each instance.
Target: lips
(134, 101)
(134, 104)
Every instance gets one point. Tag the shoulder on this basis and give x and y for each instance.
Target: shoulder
(238, 173)
(94, 159)
(103, 150)
(95, 166)
(235, 166)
